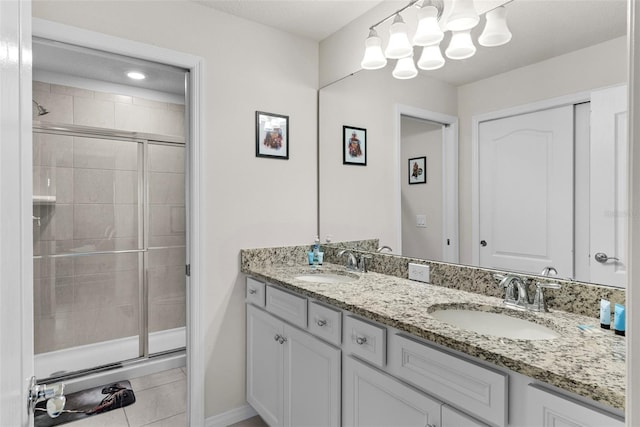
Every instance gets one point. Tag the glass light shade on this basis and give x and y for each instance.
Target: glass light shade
(399, 45)
(463, 16)
(431, 58)
(496, 32)
(461, 46)
(373, 57)
(405, 69)
(428, 31)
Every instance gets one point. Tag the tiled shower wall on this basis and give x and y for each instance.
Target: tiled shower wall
(87, 299)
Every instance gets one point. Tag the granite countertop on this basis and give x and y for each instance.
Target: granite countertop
(590, 364)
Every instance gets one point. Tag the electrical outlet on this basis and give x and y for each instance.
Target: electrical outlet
(419, 272)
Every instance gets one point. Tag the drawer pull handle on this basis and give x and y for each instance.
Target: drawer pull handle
(361, 340)
(252, 291)
(321, 323)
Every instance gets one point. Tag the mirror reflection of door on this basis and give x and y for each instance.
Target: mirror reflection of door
(422, 204)
(526, 191)
(556, 180)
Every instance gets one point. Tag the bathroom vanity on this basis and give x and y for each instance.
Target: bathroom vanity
(366, 351)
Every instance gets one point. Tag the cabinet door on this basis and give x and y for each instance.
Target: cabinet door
(372, 398)
(453, 418)
(311, 381)
(265, 365)
(549, 409)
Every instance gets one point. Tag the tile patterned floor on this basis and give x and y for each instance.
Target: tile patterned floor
(251, 422)
(160, 402)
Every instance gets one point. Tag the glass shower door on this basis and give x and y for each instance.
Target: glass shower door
(165, 263)
(88, 251)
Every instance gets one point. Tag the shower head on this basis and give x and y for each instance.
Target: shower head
(41, 110)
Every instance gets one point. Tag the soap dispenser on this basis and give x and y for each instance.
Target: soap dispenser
(316, 251)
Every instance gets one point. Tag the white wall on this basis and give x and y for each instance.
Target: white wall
(594, 67)
(422, 138)
(247, 201)
(358, 202)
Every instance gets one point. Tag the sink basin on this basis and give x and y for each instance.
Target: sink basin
(495, 324)
(326, 278)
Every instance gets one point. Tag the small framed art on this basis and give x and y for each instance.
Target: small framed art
(354, 146)
(272, 135)
(418, 170)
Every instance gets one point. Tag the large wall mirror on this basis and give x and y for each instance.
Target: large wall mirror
(516, 195)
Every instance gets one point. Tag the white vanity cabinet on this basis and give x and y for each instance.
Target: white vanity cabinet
(550, 409)
(373, 398)
(293, 378)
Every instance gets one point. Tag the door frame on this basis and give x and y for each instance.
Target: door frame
(450, 228)
(16, 246)
(195, 106)
(476, 120)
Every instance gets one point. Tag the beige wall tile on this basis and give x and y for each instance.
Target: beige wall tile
(54, 332)
(73, 91)
(126, 220)
(93, 153)
(64, 185)
(126, 187)
(166, 158)
(126, 153)
(40, 87)
(93, 186)
(149, 103)
(52, 150)
(91, 112)
(60, 107)
(94, 221)
(104, 323)
(176, 107)
(166, 188)
(123, 99)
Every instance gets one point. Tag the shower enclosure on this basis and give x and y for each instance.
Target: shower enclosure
(109, 247)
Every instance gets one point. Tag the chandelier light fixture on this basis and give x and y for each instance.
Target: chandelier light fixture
(430, 32)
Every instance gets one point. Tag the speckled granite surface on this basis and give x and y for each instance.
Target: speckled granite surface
(574, 297)
(589, 364)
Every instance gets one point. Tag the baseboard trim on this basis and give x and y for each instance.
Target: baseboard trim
(231, 417)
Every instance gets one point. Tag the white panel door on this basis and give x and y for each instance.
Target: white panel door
(374, 399)
(609, 186)
(312, 381)
(265, 366)
(526, 191)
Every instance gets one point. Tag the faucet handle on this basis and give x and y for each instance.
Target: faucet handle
(500, 278)
(539, 303)
(362, 262)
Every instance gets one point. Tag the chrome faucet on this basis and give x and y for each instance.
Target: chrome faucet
(352, 264)
(515, 290)
(382, 248)
(517, 293)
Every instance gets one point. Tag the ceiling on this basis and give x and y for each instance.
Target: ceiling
(541, 29)
(313, 19)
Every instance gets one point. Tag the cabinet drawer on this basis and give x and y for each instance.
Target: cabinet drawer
(289, 307)
(255, 292)
(482, 392)
(451, 417)
(325, 323)
(365, 340)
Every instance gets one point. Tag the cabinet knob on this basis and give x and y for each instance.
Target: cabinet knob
(361, 340)
(321, 322)
(277, 337)
(282, 340)
(252, 291)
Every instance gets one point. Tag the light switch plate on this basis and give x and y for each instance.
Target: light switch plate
(421, 221)
(419, 272)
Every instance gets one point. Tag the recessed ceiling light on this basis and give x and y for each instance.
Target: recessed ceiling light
(135, 75)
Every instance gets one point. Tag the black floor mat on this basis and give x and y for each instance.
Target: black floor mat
(89, 402)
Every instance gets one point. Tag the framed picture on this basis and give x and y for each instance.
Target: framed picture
(354, 146)
(418, 170)
(272, 135)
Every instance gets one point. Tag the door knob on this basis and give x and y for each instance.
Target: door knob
(483, 243)
(601, 257)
